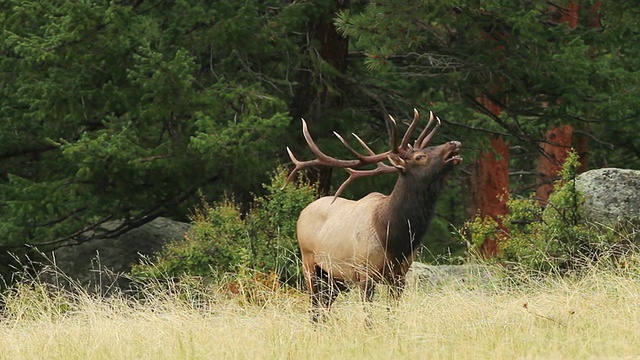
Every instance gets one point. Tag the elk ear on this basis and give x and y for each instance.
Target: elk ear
(397, 161)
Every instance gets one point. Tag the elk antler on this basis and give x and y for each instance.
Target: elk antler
(424, 139)
(361, 159)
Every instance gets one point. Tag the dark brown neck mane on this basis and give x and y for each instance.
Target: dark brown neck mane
(407, 213)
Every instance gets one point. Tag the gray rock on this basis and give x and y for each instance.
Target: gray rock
(99, 263)
(421, 274)
(612, 198)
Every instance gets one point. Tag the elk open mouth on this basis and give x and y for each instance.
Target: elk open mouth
(454, 157)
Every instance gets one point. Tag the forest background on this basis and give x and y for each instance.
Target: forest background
(132, 110)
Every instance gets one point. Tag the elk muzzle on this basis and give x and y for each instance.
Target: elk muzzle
(453, 155)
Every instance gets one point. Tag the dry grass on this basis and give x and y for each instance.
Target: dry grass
(593, 317)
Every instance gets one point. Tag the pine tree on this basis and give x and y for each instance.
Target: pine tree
(125, 110)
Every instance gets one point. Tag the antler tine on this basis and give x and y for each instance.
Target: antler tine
(393, 139)
(364, 159)
(352, 150)
(364, 144)
(354, 174)
(323, 159)
(409, 132)
(299, 165)
(424, 138)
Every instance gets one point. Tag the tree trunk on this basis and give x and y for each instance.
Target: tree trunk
(490, 173)
(582, 147)
(490, 187)
(554, 151)
(490, 182)
(558, 140)
(311, 100)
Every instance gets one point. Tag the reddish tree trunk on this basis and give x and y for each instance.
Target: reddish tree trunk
(582, 147)
(553, 153)
(569, 14)
(558, 140)
(490, 184)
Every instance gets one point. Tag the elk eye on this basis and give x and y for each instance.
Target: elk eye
(420, 157)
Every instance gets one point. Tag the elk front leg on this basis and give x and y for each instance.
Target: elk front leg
(367, 289)
(398, 284)
(397, 278)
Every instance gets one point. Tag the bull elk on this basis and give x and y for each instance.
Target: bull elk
(345, 242)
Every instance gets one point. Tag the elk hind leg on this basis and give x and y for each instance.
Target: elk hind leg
(367, 289)
(324, 291)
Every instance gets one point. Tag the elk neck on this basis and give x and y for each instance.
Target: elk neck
(407, 212)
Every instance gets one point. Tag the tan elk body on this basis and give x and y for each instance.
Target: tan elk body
(374, 239)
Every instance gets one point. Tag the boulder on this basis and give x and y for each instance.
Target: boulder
(99, 263)
(612, 198)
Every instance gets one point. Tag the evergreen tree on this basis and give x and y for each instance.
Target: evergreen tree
(538, 70)
(124, 110)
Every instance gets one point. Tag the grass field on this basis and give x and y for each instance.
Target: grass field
(594, 317)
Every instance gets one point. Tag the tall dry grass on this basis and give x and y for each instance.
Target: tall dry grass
(595, 316)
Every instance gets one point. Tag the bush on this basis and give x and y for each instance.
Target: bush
(272, 227)
(217, 243)
(221, 241)
(554, 238)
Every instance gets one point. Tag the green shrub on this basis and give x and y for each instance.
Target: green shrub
(272, 226)
(217, 243)
(221, 241)
(553, 238)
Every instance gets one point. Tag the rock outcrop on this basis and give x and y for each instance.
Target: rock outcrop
(612, 198)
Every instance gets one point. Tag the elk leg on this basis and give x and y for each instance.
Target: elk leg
(397, 287)
(324, 291)
(367, 289)
(323, 288)
(313, 285)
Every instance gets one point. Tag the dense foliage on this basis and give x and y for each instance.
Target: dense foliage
(521, 56)
(117, 110)
(557, 238)
(222, 242)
